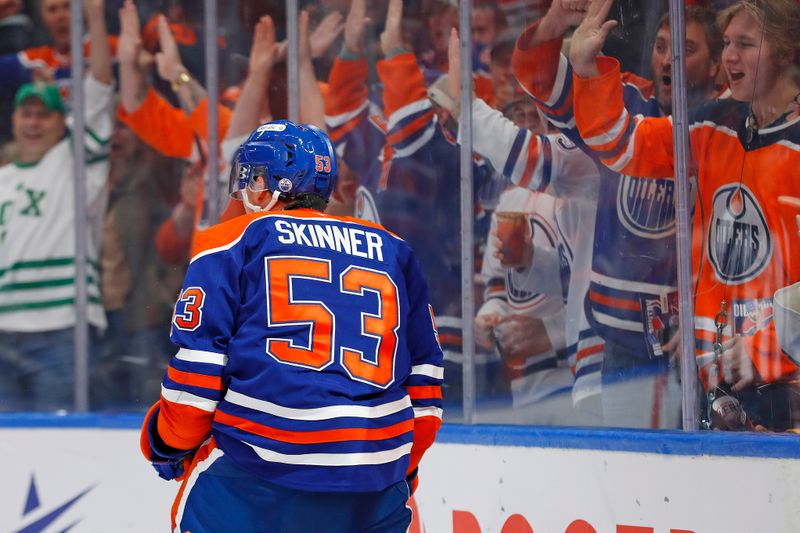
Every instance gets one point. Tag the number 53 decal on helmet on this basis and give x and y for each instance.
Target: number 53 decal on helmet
(189, 309)
(322, 163)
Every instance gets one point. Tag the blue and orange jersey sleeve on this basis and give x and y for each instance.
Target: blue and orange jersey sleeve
(411, 121)
(167, 129)
(424, 384)
(161, 126)
(346, 100)
(198, 120)
(355, 125)
(517, 153)
(633, 145)
(202, 326)
(546, 75)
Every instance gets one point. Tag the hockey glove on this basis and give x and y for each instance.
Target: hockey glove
(170, 463)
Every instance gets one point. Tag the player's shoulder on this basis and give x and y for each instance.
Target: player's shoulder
(317, 216)
(224, 235)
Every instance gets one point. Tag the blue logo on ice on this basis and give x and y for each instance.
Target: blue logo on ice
(40, 525)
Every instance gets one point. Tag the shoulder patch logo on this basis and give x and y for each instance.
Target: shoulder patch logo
(739, 241)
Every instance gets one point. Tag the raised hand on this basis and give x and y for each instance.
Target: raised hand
(262, 51)
(392, 36)
(454, 66)
(589, 37)
(562, 15)
(303, 22)
(168, 60)
(130, 34)
(354, 27)
(94, 7)
(326, 33)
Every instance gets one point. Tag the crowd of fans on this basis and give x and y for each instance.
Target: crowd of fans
(574, 188)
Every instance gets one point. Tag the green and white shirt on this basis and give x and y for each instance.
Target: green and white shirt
(37, 227)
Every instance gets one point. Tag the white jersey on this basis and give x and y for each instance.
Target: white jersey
(552, 163)
(544, 374)
(37, 227)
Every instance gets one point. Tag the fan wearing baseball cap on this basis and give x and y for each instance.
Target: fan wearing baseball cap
(37, 233)
(38, 121)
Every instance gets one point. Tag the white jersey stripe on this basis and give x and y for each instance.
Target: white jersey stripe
(558, 83)
(412, 148)
(201, 467)
(420, 412)
(334, 121)
(199, 356)
(612, 133)
(318, 413)
(406, 111)
(333, 459)
(185, 398)
(631, 286)
(431, 371)
(618, 323)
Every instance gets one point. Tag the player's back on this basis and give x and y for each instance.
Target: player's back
(323, 315)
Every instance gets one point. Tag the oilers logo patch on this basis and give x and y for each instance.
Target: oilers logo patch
(646, 206)
(750, 316)
(285, 185)
(739, 241)
(365, 207)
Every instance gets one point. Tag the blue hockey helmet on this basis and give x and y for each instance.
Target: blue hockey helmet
(291, 159)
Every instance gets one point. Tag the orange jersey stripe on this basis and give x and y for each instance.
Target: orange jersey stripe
(591, 350)
(410, 128)
(420, 392)
(611, 301)
(183, 426)
(315, 437)
(347, 127)
(194, 380)
(530, 164)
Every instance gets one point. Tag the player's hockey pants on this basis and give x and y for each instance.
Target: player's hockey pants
(221, 497)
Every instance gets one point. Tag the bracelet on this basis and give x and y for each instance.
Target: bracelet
(182, 79)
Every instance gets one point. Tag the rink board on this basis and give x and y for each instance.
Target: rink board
(87, 471)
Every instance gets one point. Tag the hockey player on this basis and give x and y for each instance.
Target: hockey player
(307, 384)
(744, 153)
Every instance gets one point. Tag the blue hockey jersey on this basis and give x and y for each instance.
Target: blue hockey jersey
(633, 262)
(308, 350)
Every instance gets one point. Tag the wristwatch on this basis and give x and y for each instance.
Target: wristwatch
(182, 79)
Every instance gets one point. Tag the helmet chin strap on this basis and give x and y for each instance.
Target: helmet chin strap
(258, 209)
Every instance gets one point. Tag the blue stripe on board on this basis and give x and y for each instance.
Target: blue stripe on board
(618, 440)
(99, 421)
(626, 440)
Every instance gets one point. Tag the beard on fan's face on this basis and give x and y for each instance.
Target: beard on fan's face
(701, 68)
